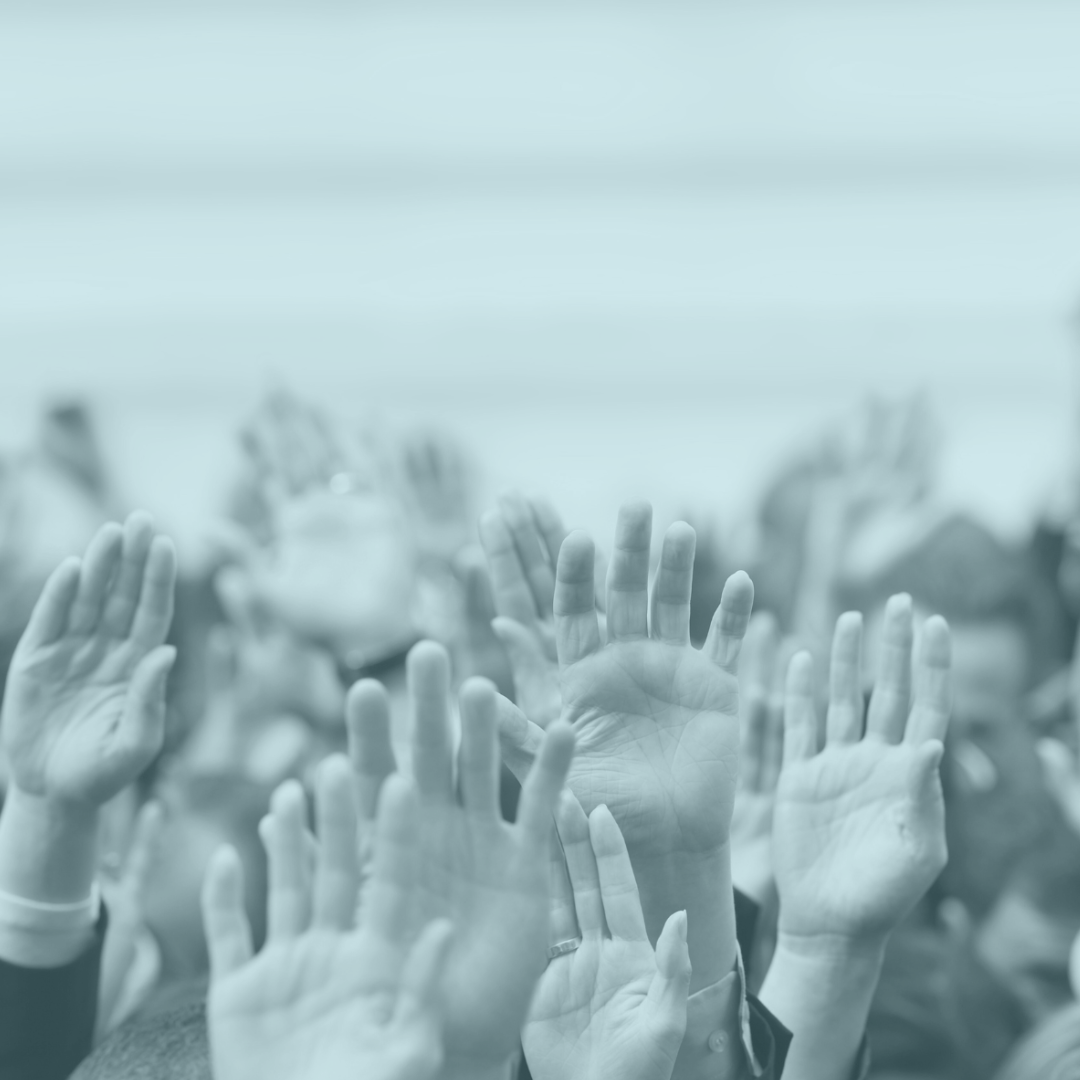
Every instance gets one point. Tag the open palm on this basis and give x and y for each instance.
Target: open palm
(84, 705)
(612, 1007)
(859, 829)
(656, 721)
(657, 736)
(324, 999)
(486, 875)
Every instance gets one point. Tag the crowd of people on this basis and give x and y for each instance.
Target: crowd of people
(397, 786)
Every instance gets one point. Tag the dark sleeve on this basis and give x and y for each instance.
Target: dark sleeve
(746, 919)
(770, 1040)
(47, 1014)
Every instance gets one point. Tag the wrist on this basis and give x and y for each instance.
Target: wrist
(829, 950)
(698, 883)
(48, 847)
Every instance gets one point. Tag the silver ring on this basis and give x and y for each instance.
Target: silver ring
(563, 947)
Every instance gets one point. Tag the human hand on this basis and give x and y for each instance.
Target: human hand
(761, 747)
(859, 826)
(656, 720)
(613, 1007)
(84, 709)
(521, 540)
(339, 570)
(489, 877)
(324, 999)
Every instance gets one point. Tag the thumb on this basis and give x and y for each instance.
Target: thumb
(142, 725)
(927, 763)
(670, 986)
(519, 737)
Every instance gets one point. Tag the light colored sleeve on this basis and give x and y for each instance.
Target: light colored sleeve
(34, 934)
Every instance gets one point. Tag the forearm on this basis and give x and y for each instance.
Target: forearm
(699, 884)
(821, 989)
(47, 861)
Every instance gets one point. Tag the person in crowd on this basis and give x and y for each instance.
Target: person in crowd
(625, 858)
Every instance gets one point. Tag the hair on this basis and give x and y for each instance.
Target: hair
(170, 1045)
(962, 571)
(1050, 1052)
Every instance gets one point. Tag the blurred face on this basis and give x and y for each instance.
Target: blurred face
(989, 670)
(989, 674)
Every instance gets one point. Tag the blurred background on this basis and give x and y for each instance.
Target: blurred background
(315, 282)
(616, 248)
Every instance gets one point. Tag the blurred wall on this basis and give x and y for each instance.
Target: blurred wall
(621, 247)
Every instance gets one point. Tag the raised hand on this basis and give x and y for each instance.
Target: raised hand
(859, 827)
(612, 1008)
(521, 540)
(487, 876)
(84, 709)
(324, 999)
(656, 720)
(760, 753)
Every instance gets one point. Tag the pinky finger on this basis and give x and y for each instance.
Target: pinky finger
(50, 614)
(729, 624)
(930, 716)
(228, 934)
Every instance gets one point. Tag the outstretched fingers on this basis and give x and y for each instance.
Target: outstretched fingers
(933, 665)
(670, 621)
(628, 574)
(98, 567)
(49, 619)
(388, 896)
(288, 907)
(577, 630)
(510, 588)
(618, 887)
(730, 622)
(889, 704)
(371, 752)
(551, 527)
(479, 757)
(844, 720)
(154, 611)
(124, 593)
(800, 718)
(531, 550)
(228, 933)
(337, 870)
(428, 677)
(541, 788)
(573, 827)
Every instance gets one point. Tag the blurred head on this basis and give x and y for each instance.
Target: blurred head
(1007, 634)
(169, 1045)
